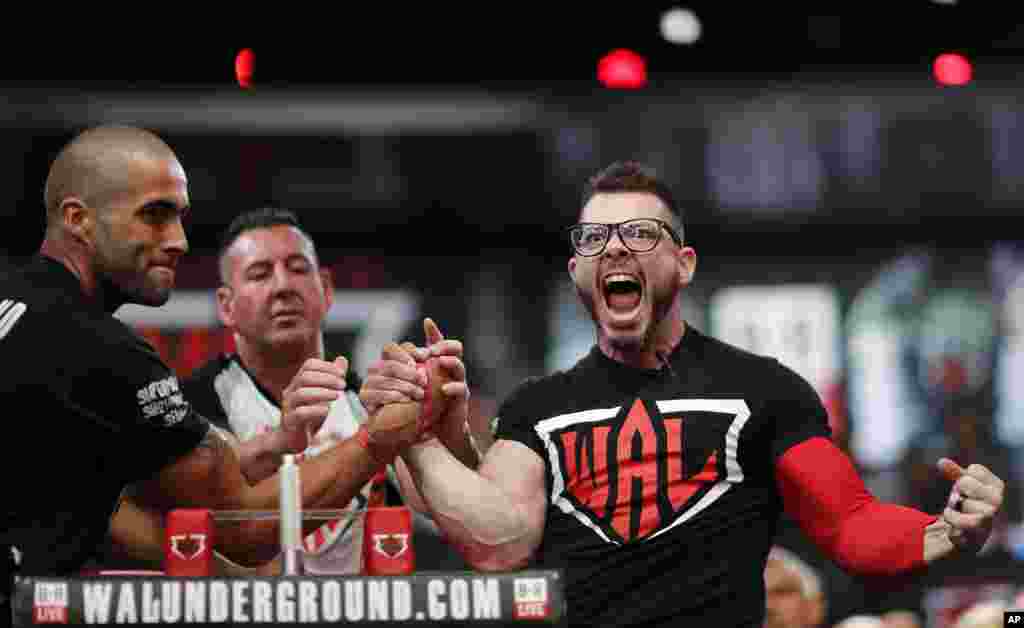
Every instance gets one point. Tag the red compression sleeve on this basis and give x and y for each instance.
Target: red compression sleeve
(823, 492)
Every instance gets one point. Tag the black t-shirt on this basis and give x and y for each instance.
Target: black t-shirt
(661, 483)
(91, 408)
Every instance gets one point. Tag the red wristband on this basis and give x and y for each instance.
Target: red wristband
(363, 438)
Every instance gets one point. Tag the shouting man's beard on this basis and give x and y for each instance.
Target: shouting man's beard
(628, 342)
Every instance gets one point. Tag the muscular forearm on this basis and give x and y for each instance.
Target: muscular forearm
(137, 534)
(407, 487)
(462, 446)
(331, 479)
(260, 456)
(482, 432)
(477, 517)
(458, 441)
(211, 477)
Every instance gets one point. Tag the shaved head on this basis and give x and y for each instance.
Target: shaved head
(115, 200)
(94, 166)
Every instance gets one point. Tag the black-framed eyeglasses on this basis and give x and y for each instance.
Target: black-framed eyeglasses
(638, 235)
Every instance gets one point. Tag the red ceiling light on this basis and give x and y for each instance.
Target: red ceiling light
(952, 69)
(245, 62)
(622, 69)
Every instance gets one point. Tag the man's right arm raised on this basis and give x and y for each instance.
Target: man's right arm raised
(494, 514)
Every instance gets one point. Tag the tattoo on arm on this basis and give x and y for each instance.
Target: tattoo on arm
(214, 450)
(201, 478)
(217, 439)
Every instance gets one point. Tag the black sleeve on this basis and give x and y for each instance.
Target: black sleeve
(517, 417)
(795, 410)
(139, 399)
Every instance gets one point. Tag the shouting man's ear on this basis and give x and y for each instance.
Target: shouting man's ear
(687, 258)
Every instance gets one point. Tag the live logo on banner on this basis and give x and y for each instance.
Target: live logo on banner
(50, 603)
(530, 599)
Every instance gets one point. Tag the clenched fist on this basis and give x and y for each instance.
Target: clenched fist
(307, 400)
(394, 426)
(974, 500)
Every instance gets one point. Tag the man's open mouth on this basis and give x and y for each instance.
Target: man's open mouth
(622, 292)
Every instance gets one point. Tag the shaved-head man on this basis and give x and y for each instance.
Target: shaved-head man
(114, 200)
(92, 406)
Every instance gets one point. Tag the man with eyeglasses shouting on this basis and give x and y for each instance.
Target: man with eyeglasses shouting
(654, 471)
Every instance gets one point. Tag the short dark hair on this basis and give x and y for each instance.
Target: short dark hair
(262, 218)
(633, 176)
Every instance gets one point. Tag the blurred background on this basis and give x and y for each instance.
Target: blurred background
(852, 184)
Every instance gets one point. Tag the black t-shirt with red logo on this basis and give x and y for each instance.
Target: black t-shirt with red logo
(661, 482)
(90, 408)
